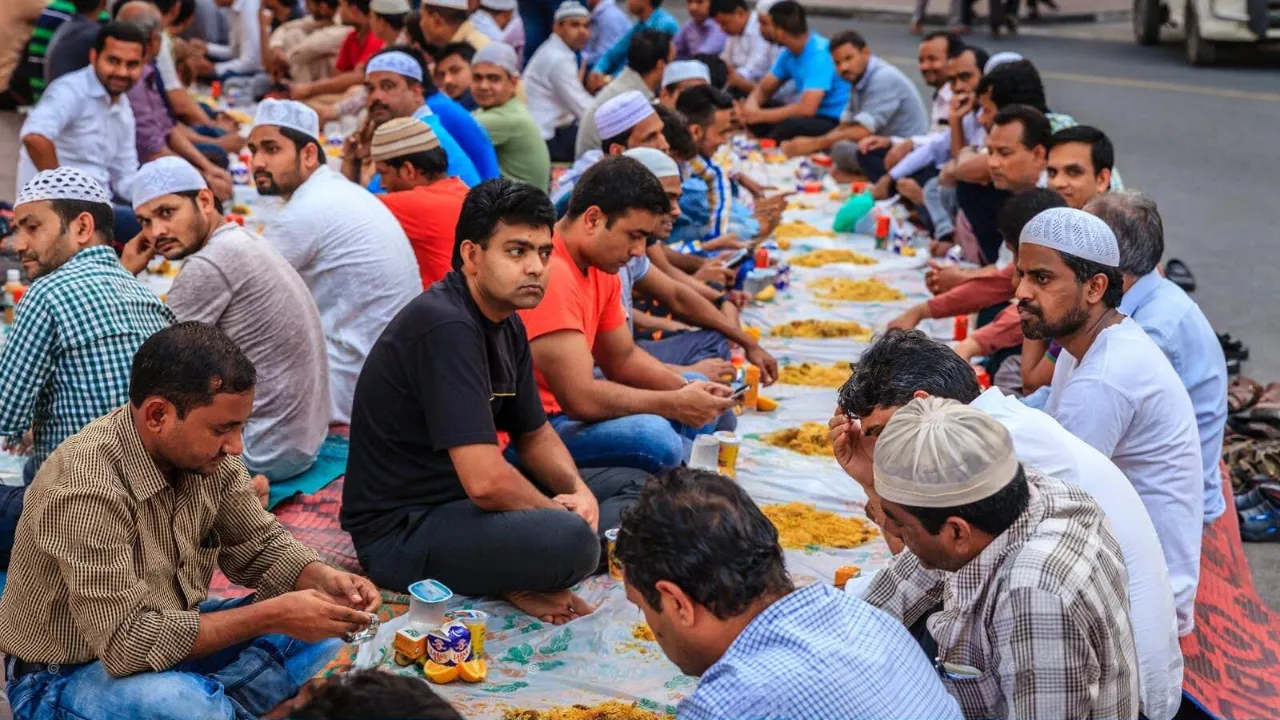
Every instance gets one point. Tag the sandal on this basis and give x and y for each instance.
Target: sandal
(1233, 348)
(1268, 405)
(1179, 274)
(1242, 393)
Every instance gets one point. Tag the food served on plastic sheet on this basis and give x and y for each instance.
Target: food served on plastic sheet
(815, 375)
(868, 290)
(767, 294)
(808, 439)
(821, 329)
(818, 258)
(611, 710)
(800, 229)
(766, 404)
(845, 573)
(642, 631)
(801, 525)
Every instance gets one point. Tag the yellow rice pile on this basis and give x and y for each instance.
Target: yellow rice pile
(793, 229)
(818, 258)
(808, 439)
(801, 525)
(611, 710)
(821, 329)
(869, 290)
(814, 374)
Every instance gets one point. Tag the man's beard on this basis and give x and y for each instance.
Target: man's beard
(202, 238)
(1038, 329)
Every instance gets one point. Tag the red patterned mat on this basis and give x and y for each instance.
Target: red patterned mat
(1232, 659)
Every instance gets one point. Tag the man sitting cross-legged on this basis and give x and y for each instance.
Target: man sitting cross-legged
(428, 493)
(106, 612)
(644, 414)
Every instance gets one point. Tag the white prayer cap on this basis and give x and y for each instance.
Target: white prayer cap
(397, 62)
(571, 9)
(658, 162)
(62, 183)
(622, 113)
(999, 59)
(389, 7)
(450, 4)
(500, 54)
(165, 176)
(401, 136)
(288, 114)
(764, 6)
(939, 453)
(682, 70)
(499, 5)
(1073, 232)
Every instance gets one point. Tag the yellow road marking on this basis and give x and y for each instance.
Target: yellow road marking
(910, 64)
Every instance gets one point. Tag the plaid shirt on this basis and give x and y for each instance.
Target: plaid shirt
(111, 560)
(71, 350)
(1036, 626)
(820, 653)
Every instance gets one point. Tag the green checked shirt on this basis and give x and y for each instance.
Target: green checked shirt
(69, 354)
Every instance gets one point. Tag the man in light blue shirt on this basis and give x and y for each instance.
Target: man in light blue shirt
(704, 566)
(608, 25)
(806, 60)
(652, 17)
(1174, 322)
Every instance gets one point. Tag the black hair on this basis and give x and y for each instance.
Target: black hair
(188, 364)
(414, 29)
(619, 139)
(427, 162)
(193, 194)
(122, 31)
(900, 362)
(453, 16)
(1101, 152)
(328, 3)
(466, 51)
(396, 21)
(187, 9)
(676, 131)
(1014, 83)
(702, 532)
(992, 515)
(1139, 230)
(648, 48)
(954, 43)
(718, 68)
(103, 216)
(847, 37)
(789, 17)
(725, 7)
(1018, 210)
(980, 55)
(1036, 129)
(301, 141)
(361, 5)
(428, 87)
(500, 201)
(699, 104)
(164, 6)
(373, 693)
(1085, 270)
(88, 6)
(617, 185)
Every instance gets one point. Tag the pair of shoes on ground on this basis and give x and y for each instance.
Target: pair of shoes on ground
(1259, 516)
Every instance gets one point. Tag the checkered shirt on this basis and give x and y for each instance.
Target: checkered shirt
(1036, 626)
(111, 560)
(68, 357)
(820, 653)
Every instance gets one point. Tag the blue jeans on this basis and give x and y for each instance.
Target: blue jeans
(687, 348)
(240, 682)
(644, 442)
(941, 203)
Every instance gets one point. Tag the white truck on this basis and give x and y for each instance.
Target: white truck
(1208, 25)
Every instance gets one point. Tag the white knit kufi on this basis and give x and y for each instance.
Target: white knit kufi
(1073, 232)
(165, 176)
(500, 54)
(288, 114)
(622, 113)
(658, 162)
(764, 6)
(499, 5)
(396, 62)
(999, 59)
(682, 70)
(62, 183)
(571, 9)
(940, 453)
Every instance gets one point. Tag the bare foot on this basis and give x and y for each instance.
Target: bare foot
(262, 486)
(557, 607)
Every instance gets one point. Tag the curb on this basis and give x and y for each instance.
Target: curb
(897, 13)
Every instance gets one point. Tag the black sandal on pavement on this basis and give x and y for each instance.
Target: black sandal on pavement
(1179, 274)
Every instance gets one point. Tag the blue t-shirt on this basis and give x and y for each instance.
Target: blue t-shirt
(468, 132)
(460, 165)
(813, 69)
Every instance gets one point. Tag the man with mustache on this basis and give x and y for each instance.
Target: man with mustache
(234, 280)
(347, 246)
(1112, 386)
(449, 373)
(84, 121)
(67, 358)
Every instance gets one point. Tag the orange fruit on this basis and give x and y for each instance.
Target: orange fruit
(764, 404)
(473, 671)
(440, 674)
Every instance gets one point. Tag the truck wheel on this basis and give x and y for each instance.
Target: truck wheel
(1200, 52)
(1146, 21)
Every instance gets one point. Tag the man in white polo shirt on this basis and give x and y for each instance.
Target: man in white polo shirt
(553, 81)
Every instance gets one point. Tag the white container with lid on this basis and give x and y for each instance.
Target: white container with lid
(427, 600)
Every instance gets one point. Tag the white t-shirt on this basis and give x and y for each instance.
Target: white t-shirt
(1043, 444)
(354, 256)
(166, 65)
(1126, 401)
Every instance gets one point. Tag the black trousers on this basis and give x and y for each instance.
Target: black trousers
(981, 204)
(476, 552)
(796, 127)
(561, 144)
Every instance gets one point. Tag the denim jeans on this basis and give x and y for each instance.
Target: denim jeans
(687, 348)
(941, 203)
(240, 682)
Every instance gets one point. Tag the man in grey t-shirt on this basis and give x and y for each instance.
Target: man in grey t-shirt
(69, 47)
(236, 280)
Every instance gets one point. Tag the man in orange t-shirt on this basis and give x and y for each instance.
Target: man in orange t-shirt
(427, 202)
(641, 414)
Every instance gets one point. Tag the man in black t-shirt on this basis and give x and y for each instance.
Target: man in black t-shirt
(428, 492)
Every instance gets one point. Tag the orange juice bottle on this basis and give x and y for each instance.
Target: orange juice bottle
(13, 290)
(753, 387)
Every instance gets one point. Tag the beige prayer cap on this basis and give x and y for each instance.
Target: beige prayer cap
(400, 137)
(940, 453)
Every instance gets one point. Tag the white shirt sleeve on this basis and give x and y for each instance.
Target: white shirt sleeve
(1095, 412)
(58, 106)
(568, 89)
(124, 165)
(167, 67)
(248, 50)
(760, 59)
